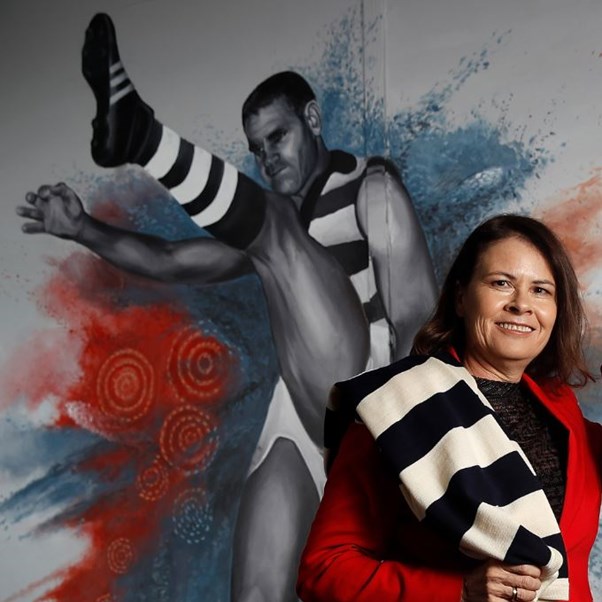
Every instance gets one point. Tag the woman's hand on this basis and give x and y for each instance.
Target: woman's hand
(494, 581)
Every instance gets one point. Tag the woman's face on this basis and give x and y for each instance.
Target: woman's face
(509, 310)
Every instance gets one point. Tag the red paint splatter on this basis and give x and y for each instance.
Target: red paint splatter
(146, 378)
(576, 216)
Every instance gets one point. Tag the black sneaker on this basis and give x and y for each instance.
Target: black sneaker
(123, 120)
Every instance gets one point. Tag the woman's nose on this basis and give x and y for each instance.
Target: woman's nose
(519, 303)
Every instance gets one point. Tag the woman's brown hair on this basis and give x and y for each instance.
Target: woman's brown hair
(563, 356)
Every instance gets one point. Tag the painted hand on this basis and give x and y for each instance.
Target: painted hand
(56, 210)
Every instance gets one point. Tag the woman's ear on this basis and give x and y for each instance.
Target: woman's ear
(313, 117)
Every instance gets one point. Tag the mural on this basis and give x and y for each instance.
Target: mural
(158, 434)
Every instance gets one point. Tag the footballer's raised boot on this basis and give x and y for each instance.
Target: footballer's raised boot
(124, 129)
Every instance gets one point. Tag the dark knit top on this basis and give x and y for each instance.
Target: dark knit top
(540, 435)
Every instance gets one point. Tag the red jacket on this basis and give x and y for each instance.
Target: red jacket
(365, 545)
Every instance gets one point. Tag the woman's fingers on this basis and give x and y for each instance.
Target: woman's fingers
(523, 569)
(496, 581)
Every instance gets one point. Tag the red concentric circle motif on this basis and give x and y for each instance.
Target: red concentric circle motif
(120, 555)
(187, 439)
(125, 385)
(199, 366)
(152, 482)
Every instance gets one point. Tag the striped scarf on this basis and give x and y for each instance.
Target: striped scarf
(458, 470)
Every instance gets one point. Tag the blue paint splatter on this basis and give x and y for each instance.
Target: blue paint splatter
(458, 178)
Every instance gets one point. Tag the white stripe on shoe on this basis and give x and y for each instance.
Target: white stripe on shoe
(117, 79)
(116, 67)
(118, 75)
(119, 95)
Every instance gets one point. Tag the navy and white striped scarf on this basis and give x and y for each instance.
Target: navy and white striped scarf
(458, 469)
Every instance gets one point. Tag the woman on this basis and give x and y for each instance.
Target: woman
(498, 359)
